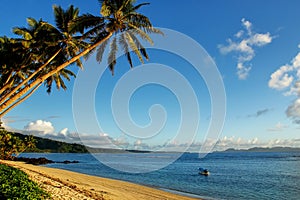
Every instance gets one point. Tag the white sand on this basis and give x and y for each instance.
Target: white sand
(63, 184)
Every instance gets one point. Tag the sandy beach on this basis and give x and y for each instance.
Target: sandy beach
(63, 184)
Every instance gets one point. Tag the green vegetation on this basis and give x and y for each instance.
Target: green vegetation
(53, 146)
(44, 145)
(47, 145)
(15, 184)
(11, 145)
(41, 53)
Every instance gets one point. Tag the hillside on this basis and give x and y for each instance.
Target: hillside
(44, 145)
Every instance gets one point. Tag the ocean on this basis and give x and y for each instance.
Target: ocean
(238, 175)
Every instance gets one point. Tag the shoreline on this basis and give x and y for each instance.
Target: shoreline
(64, 184)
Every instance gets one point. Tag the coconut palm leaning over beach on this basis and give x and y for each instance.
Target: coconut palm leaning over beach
(45, 47)
(45, 50)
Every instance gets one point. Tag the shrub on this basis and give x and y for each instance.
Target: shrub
(12, 145)
(15, 184)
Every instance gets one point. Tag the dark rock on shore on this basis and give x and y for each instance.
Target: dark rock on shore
(41, 161)
(34, 161)
(68, 162)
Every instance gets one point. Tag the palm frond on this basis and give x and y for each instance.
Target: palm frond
(123, 4)
(153, 30)
(112, 55)
(139, 5)
(138, 20)
(100, 50)
(31, 22)
(59, 17)
(141, 33)
(57, 81)
(99, 37)
(106, 8)
(48, 84)
(124, 45)
(62, 83)
(67, 73)
(133, 46)
(140, 46)
(24, 32)
(88, 55)
(85, 21)
(98, 29)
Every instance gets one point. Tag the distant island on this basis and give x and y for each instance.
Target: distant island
(45, 145)
(263, 149)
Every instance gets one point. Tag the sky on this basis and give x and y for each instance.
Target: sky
(255, 46)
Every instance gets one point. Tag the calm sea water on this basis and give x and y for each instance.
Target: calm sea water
(233, 175)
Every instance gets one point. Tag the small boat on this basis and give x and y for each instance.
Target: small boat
(203, 171)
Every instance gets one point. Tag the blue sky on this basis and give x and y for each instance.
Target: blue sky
(253, 43)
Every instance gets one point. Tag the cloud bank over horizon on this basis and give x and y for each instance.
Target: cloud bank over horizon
(45, 129)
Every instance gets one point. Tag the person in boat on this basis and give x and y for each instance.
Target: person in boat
(203, 171)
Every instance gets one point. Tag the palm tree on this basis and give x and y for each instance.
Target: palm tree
(121, 19)
(11, 55)
(49, 47)
(118, 17)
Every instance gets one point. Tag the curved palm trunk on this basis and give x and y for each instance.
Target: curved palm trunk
(40, 80)
(7, 83)
(26, 80)
(5, 87)
(20, 101)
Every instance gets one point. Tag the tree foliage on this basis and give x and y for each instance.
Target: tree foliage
(11, 145)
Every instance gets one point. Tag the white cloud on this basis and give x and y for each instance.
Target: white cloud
(259, 39)
(40, 126)
(242, 71)
(253, 141)
(240, 143)
(45, 129)
(140, 145)
(138, 142)
(244, 47)
(247, 24)
(103, 134)
(64, 131)
(281, 79)
(239, 34)
(278, 127)
(103, 140)
(294, 90)
(5, 122)
(287, 78)
(293, 111)
(296, 61)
